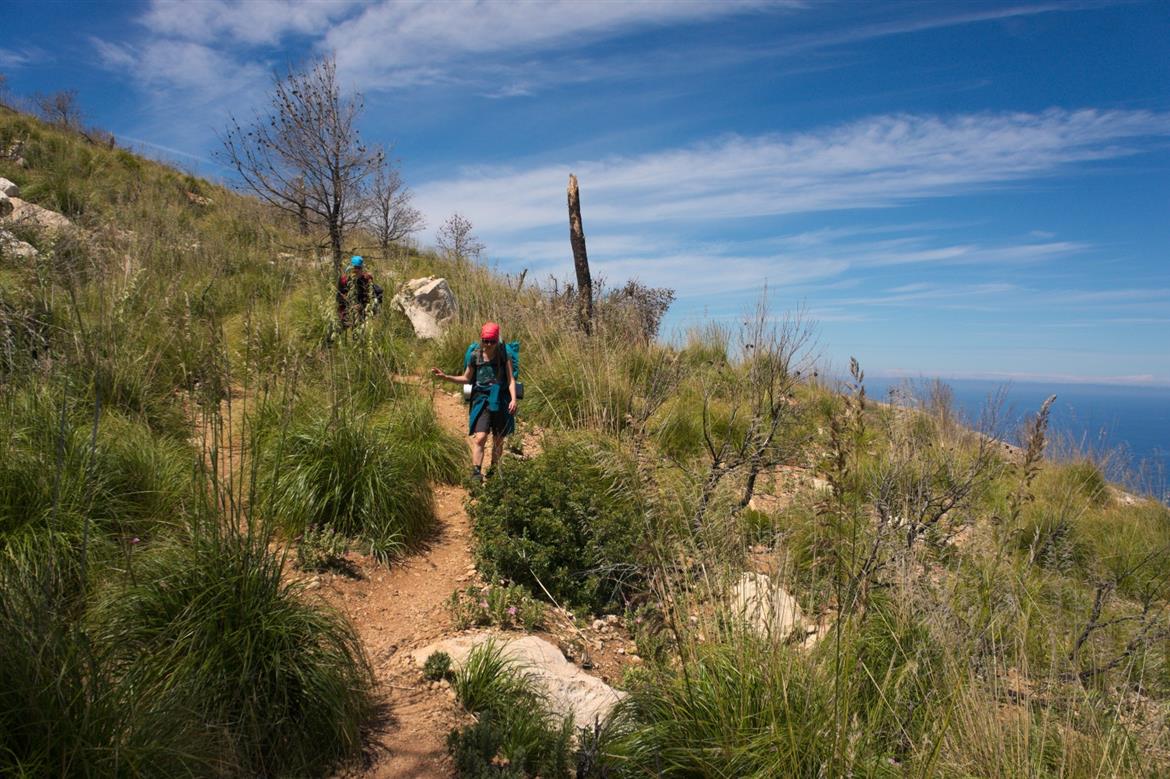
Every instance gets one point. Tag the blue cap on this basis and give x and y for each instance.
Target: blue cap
(356, 261)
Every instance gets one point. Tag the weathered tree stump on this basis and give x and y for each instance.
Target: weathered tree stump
(580, 260)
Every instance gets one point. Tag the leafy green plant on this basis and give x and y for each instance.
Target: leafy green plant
(322, 549)
(437, 666)
(505, 607)
(349, 473)
(514, 728)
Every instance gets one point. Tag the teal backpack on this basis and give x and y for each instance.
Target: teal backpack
(512, 348)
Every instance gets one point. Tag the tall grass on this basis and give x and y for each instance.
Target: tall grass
(349, 472)
(210, 629)
(514, 723)
(63, 709)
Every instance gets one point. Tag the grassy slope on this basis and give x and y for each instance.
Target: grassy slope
(988, 617)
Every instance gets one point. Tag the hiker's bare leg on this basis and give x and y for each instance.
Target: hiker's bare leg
(478, 442)
(497, 448)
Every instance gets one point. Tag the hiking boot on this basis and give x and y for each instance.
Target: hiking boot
(477, 476)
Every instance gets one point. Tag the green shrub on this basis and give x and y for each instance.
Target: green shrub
(569, 520)
(211, 629)
(421, 440)
(132, 483)
(734, 710)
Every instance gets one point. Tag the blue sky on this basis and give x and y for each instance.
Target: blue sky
(946, 188)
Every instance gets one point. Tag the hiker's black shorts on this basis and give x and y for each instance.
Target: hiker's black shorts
(495, 422)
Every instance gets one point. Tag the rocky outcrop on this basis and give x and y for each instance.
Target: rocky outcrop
(14, 152)
(570, 690)
(8, 188)
(767, 608)
(6, 206)
(429, 304)
(13, 247)
(32, 215)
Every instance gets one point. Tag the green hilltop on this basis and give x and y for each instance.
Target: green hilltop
(183, 424)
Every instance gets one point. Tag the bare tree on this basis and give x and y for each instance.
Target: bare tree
(456, 239)
(389, 214)
(772, 356)
(306, 155)
(59, 109)
(5, 100)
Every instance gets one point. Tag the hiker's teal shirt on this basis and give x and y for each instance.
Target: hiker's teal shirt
(487, 396)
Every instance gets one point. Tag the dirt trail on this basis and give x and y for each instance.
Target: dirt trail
(402, 608)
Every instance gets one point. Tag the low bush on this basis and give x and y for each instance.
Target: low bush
(437, 666)
(132, 483)
(733, 710)
(420, 439)
(568, 521)
(322, 549)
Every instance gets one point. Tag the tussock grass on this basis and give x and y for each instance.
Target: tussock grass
(63, 710)
(514, 726)
(210, 629)
(350, 473)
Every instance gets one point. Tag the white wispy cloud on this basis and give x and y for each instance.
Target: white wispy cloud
(253, 22)
(21, 58)
(876, 162)
(426, 37)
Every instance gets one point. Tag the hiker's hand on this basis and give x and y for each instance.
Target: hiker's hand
(512, 406)
(439, 373)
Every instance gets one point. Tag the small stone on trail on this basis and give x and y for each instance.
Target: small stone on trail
(598, 624)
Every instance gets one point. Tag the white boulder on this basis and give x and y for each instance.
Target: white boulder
(26, 213)
(11, 246)
(570, 690)
(8, 188)
(429, 304)
(766, 607)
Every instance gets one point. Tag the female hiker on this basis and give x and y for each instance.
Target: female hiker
(489, 369)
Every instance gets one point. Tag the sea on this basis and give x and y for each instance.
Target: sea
(1125, 428)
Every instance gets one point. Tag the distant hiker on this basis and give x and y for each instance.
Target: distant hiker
(357, 294)
(490, 369)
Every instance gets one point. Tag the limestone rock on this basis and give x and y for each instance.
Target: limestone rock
(429, 304)
(766, 606)
(570, 690)
(8, 188)
(6, 206)
(11, 246)
(43, 219)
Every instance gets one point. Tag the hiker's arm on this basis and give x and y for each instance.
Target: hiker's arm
(464, 378)
(511, 386)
